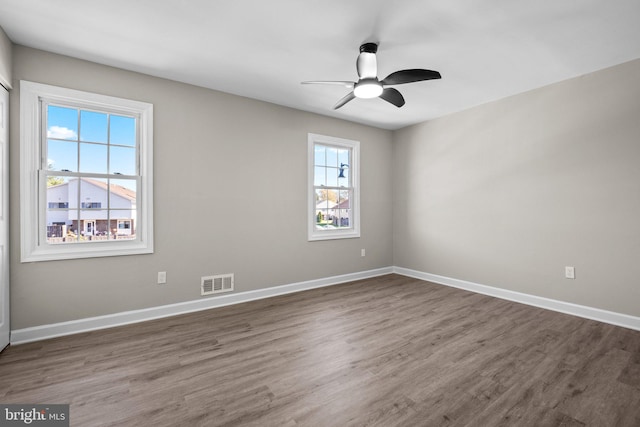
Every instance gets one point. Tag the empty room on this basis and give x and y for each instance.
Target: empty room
(304, 213)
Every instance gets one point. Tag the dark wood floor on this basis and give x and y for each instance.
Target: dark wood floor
(386, 351)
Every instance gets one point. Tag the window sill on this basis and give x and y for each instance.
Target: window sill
(86, 250)
(333, 235)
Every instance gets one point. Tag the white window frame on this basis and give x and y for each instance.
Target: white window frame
(33, 203)
(353, 231)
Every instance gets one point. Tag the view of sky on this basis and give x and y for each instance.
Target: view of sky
(87, 141)
(91, 142)
(327, 166)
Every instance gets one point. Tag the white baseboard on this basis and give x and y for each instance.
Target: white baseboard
(600, 315)
(37, 333)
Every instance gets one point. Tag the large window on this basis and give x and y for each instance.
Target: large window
(334, 197)
(86, 174)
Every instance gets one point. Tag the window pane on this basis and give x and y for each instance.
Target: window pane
(93, 126)
(323, 218)
(328, 196)
(332, 157)
(343, 211)
(122, 225)
(332, 177)
(91, 226)
(123, 200)
(344, 180)
(57, 214)
(93, 223)
(62, 155)
(123, 130)
(320, 154)
(122, 160)
(343, 157)
(123, 196)
(322, 203)
(93, 192)
(343, 198)
(58, 190)
(342, 218)
(93, 158)
(319, 177)
(72, 193)
(62, 123)
(56, 228)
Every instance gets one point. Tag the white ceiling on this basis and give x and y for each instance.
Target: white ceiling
(485, 50)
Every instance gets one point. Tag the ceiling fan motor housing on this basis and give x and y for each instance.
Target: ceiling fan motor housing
(369, 48)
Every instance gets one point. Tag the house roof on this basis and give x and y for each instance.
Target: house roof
(263, 49)
(325, 204)
(342, 205)
(332, 205)
(114, 188)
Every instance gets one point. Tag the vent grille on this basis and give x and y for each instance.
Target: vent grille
(216, 284)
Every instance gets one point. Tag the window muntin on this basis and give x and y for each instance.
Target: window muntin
(86, 166)
(334, 197)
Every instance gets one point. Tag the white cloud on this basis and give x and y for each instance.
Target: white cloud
(60, 132)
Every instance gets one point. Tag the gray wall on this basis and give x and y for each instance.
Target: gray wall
(6, 48)
(508, 193)
(230, 197)
(505, 194)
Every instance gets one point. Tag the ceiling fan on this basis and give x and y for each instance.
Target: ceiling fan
(368, 85)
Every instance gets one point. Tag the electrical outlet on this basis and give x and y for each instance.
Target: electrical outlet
(362, 252)
(162, 277)
(570, 272)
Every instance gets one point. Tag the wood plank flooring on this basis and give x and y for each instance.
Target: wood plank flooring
(388, 351)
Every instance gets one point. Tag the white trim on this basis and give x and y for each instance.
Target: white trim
(314, 234)
(37, 333)
(5, 259)
(613, 318)
(30, 151)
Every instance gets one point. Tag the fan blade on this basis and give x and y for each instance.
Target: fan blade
(410, 76)
(348, 97)
(393, 96)
(324, 82)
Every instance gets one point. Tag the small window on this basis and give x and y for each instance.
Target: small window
(58, 205)
(334, 198)
(91, 205)
(86, 168)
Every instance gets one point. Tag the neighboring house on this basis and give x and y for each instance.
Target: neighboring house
(103, 212)
(323, 207)
(337, 213)
(341, 213)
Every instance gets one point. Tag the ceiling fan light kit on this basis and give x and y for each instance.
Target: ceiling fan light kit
(367, 88)
(368, 85)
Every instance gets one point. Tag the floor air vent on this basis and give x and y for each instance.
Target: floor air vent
(216, 284)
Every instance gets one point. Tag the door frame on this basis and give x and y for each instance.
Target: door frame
(5, 317)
